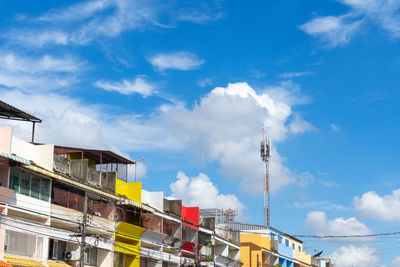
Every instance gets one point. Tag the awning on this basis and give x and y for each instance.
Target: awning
(21, 262)
(129, 249)
(57, 264)
(134, 204)
(15, 158)
(4, 264)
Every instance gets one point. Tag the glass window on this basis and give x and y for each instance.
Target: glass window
(91, 256)
(299, 249)
(20, 243)
(287, 242)
(25, 183)
(35, 186)
(44, 189)
(15, 179)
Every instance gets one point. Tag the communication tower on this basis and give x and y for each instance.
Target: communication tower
(265, 155)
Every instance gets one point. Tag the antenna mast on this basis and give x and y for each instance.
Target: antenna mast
(265, 155)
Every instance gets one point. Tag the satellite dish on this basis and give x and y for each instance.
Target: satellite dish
(318, 254)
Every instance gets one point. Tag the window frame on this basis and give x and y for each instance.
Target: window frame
(16, 176)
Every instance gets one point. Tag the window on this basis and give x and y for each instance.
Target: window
(20, 243)
(14, 179)
(91, 256)
(57, 249)
(299, 249)
(293, 246)
(286, 242)
(25, 183)
(29, 184)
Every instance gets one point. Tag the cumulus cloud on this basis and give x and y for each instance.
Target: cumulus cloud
(349, 256)
(338, 30)
(396, 262)
(372, 206)
(193, 189)
(31, 73)
(175, 60)
(138, 85)
(321, 225)
(332, 30)
(224, 126)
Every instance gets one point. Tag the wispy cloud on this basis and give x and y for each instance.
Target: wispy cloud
(338, 30)
(32, 73)
(321, 205)
(176, 60)
(84, 22)
(138, 85)
(335, 127)
(291, 75)
(334, 31)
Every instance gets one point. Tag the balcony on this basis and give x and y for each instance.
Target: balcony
(85, 173)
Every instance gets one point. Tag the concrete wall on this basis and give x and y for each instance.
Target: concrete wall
(173, 206)
(153, 199)
(5, 139)
(41, 155)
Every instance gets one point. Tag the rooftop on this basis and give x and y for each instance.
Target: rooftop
(12, 113)
(99, 156)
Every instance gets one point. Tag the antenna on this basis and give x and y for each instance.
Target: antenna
(265, 155)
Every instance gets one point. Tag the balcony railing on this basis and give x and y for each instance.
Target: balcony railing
(80, 169)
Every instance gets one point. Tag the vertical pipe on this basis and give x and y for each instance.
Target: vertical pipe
(33, 131)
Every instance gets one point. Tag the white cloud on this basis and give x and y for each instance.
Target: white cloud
(318, 221)
(339, 30)
(175, 60)
(193, 189)
(300, 126)
(46, 72)
(396, 262)
(350, 256)
(204, 82)
(372, 206)
(322, 205)
(84, 22)
(332, 30)
(41, 38)
(291, 75)
(138, 85)
(226, 126)
(330, 184)
(335, 127)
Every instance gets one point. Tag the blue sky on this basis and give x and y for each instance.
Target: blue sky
(188, 86)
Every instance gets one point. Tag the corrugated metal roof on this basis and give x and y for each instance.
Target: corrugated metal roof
(12, 113)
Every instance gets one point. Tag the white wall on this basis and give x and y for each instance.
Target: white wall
(153, 199)
(41, 155)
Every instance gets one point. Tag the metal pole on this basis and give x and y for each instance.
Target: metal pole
(33, 131)
(196, 250)
(83, 240)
